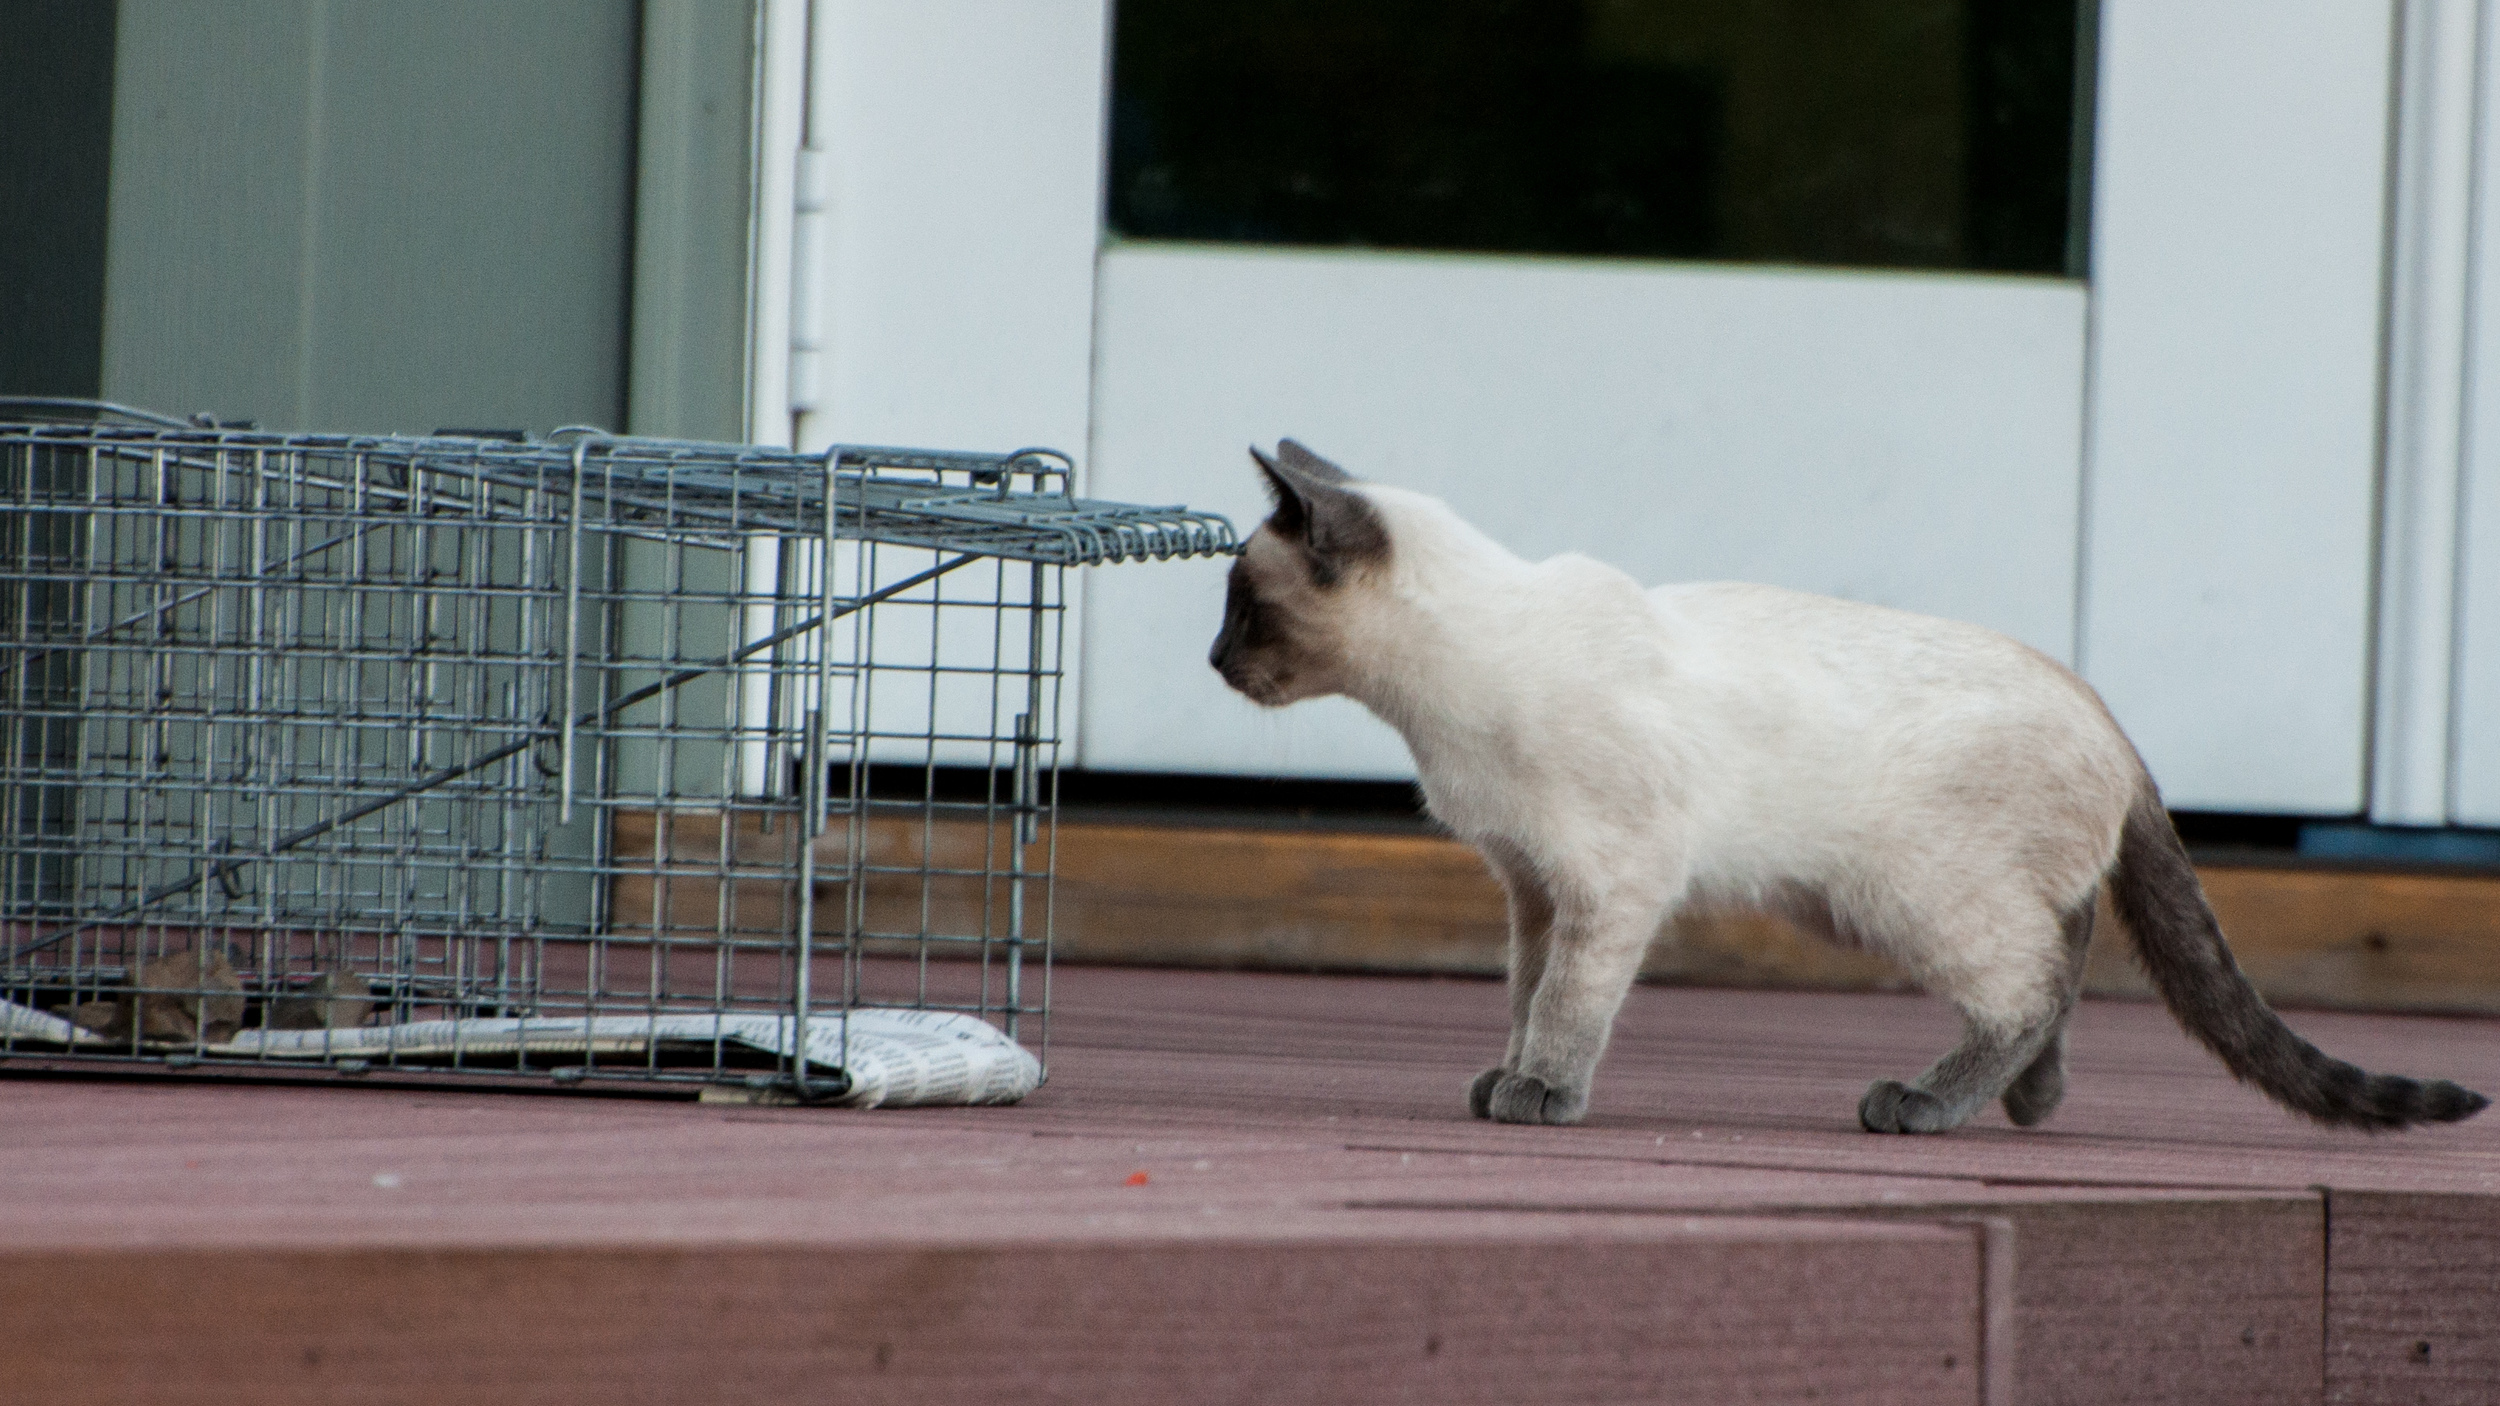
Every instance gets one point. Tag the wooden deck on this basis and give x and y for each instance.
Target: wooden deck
(1259, 1187)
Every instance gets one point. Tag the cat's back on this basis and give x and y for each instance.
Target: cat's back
(1843, 729)
(1864, 659)
(1827, 628)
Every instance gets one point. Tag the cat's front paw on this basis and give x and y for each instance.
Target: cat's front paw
(1480, 1093)
(1524, 1098)
(1891, 1106)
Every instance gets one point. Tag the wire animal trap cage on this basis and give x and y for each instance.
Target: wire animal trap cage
(585, 759)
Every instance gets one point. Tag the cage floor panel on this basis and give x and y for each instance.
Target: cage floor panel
(1266, 1187)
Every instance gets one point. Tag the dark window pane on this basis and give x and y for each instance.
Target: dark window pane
(1888, 133)
(56, 131)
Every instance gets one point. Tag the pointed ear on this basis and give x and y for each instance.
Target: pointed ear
(1309, 465)
(1336, 528)
(1292, 516)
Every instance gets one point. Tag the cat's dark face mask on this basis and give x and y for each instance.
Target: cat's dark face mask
(1278, 642)
(1245, 648)
(1241, 611)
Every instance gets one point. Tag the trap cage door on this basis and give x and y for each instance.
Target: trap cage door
(852, 808)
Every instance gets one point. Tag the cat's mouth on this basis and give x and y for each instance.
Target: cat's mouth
(1265, 690)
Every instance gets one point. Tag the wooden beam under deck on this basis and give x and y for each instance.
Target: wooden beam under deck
(1139, 889)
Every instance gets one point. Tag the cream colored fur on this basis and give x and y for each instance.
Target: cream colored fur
(1935, 791)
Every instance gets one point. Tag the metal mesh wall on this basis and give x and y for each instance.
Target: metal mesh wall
(400, 745)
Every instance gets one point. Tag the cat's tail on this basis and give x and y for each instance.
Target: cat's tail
(2180, 944)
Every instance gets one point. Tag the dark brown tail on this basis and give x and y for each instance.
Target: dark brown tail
(2181, 947)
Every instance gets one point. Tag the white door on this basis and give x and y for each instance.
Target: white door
(2166, 477)
(2438, 725)
(2238, 225)
(1908, 439)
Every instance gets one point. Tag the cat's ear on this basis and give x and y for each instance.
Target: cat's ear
(1309, 465)
(1337, 529)
(1283, 491)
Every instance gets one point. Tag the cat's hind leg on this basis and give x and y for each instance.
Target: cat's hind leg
(2036, 1092)
(2010, 1048)
(1531, 923)
(1988, 1060)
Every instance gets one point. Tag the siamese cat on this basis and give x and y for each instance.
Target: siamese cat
(1932, 791)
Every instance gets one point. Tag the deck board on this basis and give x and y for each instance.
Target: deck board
(2169, 1235)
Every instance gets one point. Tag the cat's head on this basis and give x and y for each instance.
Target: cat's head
(1296, 581)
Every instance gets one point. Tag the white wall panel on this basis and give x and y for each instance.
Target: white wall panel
(1907, 439)
(2238, 223)
(955, 149)
(2473, 781)
(2430, 295)
(965, 139)
(2476, 781)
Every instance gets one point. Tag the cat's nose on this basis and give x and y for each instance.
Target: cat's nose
(1220, 659)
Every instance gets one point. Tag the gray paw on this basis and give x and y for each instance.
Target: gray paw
(2035, 1095)
(1524, 1098)
(1480, 1093)
(1891, 1106)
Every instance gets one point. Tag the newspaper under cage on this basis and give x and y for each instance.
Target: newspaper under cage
(592, 758)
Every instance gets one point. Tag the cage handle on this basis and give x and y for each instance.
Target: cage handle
(34, 403)
(572, 638)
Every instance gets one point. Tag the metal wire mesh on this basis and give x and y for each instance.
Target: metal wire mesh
(357, 735)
